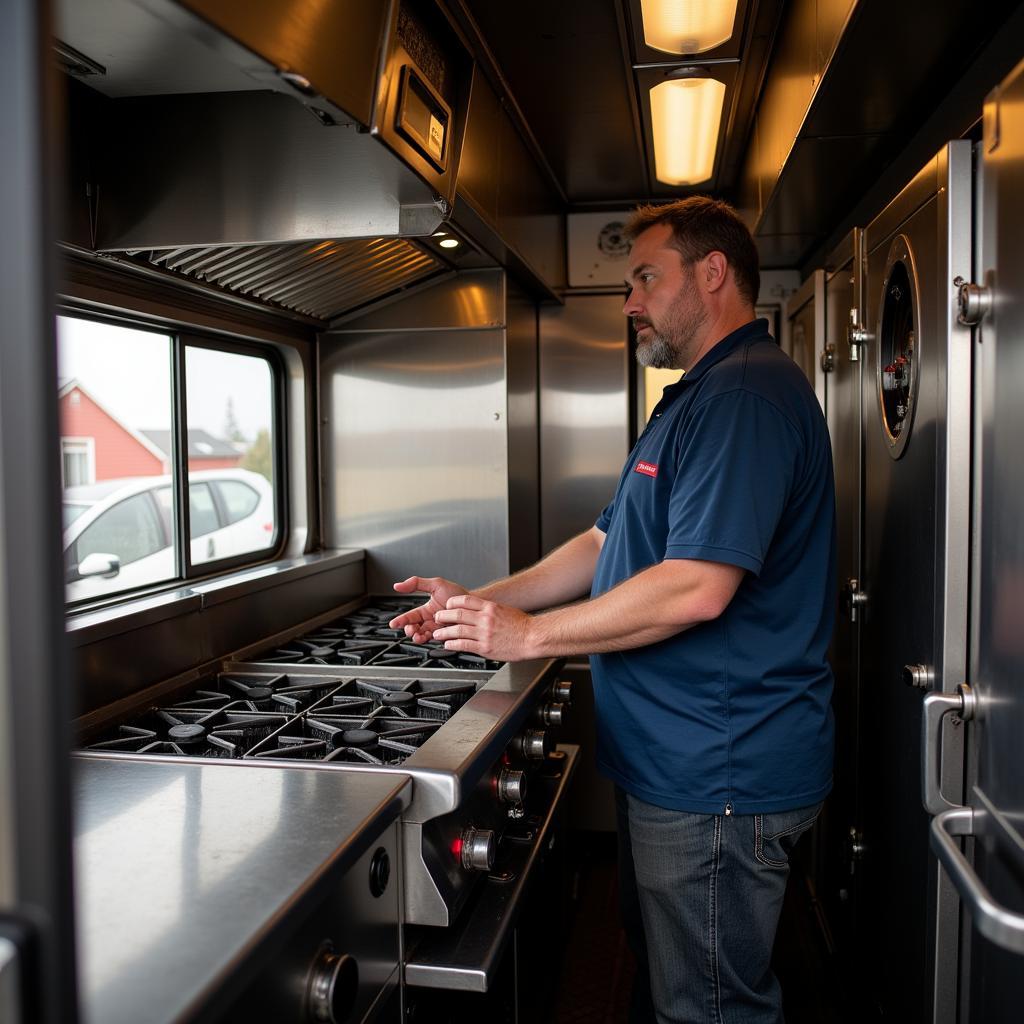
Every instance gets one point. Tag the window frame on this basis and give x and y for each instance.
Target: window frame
(181, 337)
(82, 444)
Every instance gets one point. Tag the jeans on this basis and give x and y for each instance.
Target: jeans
(700, 899)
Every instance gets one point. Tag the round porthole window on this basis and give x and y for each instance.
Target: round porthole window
(899, 353)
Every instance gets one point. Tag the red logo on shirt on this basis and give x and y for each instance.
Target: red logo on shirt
(647, 468)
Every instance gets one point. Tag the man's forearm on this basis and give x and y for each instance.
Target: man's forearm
(651, 606)
(564, 575)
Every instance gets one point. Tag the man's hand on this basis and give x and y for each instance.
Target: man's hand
(491, 630)
(419, 624)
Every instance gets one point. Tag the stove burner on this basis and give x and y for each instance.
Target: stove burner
(219, 733)
(319, 649)
(187, 735)
(400, 699)
(433, 655)
(358, 738)
(236, 691)
(331, 737)
(364, 637)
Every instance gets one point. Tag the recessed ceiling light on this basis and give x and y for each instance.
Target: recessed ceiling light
(687, 26)
(685, 117)
(439, 234)
(448, 243)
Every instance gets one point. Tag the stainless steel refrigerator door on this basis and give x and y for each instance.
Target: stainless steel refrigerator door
(992, 889)
(837, 887)
(916, 408)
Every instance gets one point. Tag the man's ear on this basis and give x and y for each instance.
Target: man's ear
(714, 271)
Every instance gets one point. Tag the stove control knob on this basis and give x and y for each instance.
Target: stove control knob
(534, 744)
(552, 714)
(512, 786)
(562, 691)
(333, 987)
(478, 849)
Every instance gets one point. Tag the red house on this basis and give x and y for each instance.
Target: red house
(94, 445)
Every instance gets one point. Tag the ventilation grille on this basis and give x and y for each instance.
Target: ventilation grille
(322, 280)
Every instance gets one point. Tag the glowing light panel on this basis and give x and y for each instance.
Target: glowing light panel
(685, 117)
(687, 26)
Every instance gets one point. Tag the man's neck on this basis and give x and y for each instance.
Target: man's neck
(727, 321)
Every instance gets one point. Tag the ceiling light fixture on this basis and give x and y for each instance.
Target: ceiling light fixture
(687, 26)
(685, 118)
(448, 243)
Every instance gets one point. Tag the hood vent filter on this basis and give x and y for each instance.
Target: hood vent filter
(322, 280)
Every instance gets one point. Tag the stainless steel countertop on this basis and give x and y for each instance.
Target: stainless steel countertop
(181, 869)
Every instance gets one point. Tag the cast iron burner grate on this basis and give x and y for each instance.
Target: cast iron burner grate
(280, 693)
(433, 655)
(418, 698)
(346, 739)
(319, 649)
(219, 733)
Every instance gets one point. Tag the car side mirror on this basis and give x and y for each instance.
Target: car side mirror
(98, 564)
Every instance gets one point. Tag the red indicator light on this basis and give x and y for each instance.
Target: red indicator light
(457, 848)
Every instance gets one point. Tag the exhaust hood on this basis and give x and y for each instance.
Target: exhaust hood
(267, 122)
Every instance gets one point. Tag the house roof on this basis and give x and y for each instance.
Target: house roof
(201, 444)
(65, 385)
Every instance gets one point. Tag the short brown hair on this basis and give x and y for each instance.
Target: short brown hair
(701, 225)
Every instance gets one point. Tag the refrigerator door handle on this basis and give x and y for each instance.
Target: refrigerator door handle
(994, 921)
(936, 707)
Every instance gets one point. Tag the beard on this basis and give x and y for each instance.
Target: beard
(670, 344)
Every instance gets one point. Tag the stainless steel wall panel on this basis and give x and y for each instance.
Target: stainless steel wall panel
(471, 300)
(584, 411)
(416, 435)
(521, 357)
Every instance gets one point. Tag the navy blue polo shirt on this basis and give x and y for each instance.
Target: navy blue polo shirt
(734, 466)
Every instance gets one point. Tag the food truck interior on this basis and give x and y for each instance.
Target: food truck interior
(299, 298)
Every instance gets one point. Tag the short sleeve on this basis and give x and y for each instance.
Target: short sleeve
(605, 518)
(737, 461)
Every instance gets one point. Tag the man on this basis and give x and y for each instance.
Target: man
(711, 581)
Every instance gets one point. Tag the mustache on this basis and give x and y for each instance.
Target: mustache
(639, 322)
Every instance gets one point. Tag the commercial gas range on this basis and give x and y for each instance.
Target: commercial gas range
(345, 692)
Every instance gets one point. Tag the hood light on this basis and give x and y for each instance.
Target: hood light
(687, 26)
(448, 243)
(685, 117)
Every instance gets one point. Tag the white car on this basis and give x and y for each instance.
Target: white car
(119, 534)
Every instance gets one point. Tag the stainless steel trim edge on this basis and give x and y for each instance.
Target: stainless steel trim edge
(466, 958)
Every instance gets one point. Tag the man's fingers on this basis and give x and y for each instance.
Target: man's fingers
(408, 586)
(466, 601)
(462, 645)
(456, 615)
(462, 631)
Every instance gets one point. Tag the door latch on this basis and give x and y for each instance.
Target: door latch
(854, 597)
(857, 335)
(828, 359)
(974, 302)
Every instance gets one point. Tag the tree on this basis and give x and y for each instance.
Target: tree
(259, 456)
(232, 431)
